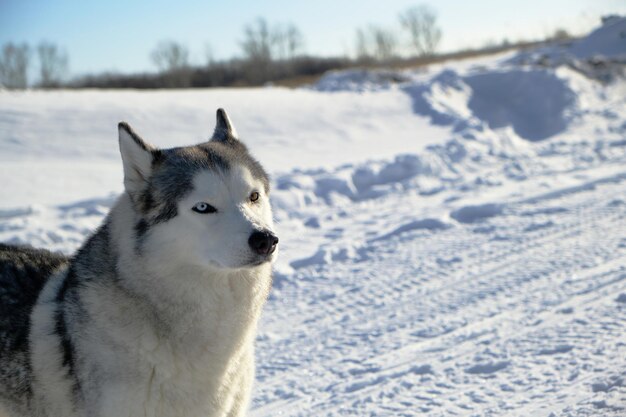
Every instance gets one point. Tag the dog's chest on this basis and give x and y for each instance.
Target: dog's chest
(187, 380)
(186, 359)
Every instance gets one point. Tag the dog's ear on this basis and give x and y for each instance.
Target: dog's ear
(137, 156)
(224, 129)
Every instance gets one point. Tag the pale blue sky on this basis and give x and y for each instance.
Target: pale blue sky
(118, 35)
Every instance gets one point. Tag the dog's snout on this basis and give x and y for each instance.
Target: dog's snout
(263, 242)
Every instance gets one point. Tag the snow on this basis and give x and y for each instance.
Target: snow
(41, 130)
(592, 55)
(453, 241)
(473, 214)
(609, 40)
(359, 80)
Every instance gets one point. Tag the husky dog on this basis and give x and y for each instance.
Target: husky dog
(156, 313)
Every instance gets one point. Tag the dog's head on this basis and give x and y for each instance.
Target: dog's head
(206, 205)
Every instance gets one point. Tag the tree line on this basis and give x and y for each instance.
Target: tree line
(16, 59)
(269, 53)
(418, 24)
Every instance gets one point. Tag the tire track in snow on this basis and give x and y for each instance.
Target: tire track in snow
(435, 273)
(582, 218)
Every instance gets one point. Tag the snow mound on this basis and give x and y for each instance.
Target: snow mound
(443, 98)
(356, 182)
(534, 102)
(609, 40)
(601, 55)
(436, 168)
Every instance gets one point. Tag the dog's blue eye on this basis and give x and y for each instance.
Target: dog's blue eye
(204, 208)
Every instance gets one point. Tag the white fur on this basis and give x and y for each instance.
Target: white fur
(180, 341)
(237, 217)
(231, 126)
(136, 160)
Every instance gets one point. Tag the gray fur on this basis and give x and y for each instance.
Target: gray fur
(174, 169)
(94, 270)
(23, 273)
(224, 130)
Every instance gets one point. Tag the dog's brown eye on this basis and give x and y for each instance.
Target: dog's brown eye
(254, 196)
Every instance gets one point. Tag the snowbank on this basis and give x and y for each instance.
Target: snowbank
(609, 40)
(534, 102)
(601, 55)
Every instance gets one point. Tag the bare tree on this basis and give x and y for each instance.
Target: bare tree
(53, 64)
(278, 44)
(421, 24)
(172, 59)
(286, 42)
(14, 65)
(375, 42)
(385, 43)
(363, 45)
(265, 43)
(209, 55)
(294, 41)
(560, 34)
(258, 42)
(170, 55)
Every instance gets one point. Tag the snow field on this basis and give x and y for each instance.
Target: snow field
(453, 241)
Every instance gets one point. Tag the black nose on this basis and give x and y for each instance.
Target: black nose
(263, 243)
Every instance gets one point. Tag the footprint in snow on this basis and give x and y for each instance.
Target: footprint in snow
(538, 226)
(555, 350)
(476, 213)
(421, 224)
(487, 368)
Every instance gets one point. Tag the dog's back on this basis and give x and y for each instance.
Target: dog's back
(23, 273)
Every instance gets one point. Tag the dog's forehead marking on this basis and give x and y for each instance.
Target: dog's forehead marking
(234, 182)
(241, 175)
